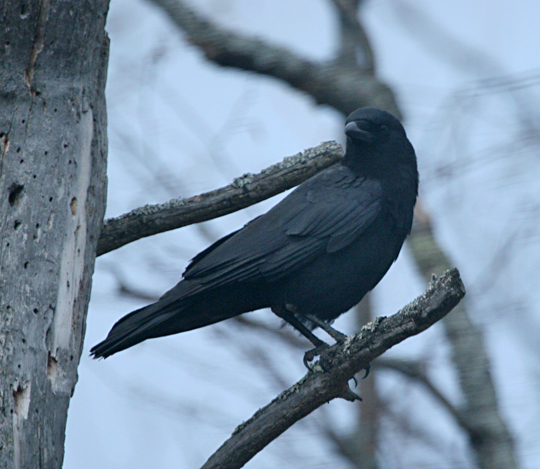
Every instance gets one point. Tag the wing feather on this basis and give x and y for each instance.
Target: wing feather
(325, 214)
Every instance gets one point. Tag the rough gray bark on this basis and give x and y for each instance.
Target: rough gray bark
(329, 377)
(53, 62)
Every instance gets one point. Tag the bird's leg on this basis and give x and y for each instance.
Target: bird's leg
(339, 337)
(290, 317)
(287, 315)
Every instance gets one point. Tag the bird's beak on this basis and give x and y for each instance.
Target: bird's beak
(354, 130)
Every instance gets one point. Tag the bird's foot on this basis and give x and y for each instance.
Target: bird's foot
(321, 347)
(310, 355)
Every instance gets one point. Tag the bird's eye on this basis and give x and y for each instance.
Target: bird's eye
(384, 128)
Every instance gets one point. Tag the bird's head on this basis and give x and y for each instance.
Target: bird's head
(371, 126)
(376, 142)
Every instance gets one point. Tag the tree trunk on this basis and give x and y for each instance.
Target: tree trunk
(53, 148)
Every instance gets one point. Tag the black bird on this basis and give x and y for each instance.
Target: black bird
(310, 258)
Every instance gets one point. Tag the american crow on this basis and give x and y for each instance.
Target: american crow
(310, 258)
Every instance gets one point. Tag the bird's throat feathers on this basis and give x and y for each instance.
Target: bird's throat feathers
(394, 167)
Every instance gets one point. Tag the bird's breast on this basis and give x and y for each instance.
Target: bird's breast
(335, 282)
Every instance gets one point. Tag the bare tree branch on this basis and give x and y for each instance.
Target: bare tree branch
(414, 371)
(363, 442)
(343, 88)
(243, 192)
(355, 46)
(488, 433)
(336, 366)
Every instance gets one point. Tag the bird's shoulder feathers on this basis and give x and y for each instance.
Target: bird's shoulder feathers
(324, 214)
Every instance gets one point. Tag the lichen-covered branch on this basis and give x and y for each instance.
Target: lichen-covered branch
(331, 374)
(243, 192)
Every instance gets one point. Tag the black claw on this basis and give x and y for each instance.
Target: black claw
(315, 352)
(367, 369)
(306, 361)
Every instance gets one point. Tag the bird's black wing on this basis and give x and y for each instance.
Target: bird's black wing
(323, 215)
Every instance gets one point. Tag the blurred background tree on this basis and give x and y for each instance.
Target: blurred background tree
(463, 77)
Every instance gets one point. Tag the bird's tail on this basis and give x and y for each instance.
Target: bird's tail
(141, 324)
(178, 311)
